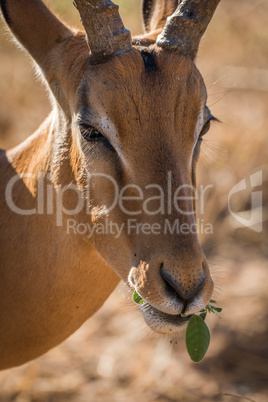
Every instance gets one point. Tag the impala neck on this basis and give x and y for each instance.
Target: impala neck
(52, 279)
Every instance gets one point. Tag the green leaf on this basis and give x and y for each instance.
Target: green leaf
(136, 297)
(209, 309)
(197, 338)
(203, 315)
(218, 309)
(212, 301)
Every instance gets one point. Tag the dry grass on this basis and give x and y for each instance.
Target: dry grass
(113, 357)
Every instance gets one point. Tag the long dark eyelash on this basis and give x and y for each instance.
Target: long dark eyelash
(210, 115)
(214, 119)
(81, 122)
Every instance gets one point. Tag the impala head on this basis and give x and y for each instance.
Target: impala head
(131, 116)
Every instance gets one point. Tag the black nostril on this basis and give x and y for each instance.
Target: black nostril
(184, 294)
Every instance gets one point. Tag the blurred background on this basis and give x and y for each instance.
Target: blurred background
(113, 357)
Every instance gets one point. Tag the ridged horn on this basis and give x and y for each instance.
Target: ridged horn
(106, 34)
(186, 26)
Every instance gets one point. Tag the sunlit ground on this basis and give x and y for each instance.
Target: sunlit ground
(114, 357)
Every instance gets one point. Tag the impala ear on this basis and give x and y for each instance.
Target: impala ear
(155, 13)
(35, 27)
(59, 52)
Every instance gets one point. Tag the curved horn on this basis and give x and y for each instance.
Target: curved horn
(106, 34)
(185, 28)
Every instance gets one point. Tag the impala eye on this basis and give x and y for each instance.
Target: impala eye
(91, 134)
(205, 128)
(207, 125)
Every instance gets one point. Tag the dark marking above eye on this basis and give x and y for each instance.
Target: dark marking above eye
(83, 96)
(149, 60)
(190, 13)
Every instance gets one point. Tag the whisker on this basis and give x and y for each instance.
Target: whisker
(223, 96)
(217, 93)
(212, 144)
(218, 80)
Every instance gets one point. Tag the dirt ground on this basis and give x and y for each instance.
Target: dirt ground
(114, 357)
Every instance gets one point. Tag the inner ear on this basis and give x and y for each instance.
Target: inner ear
(156, 12)
(147, 8)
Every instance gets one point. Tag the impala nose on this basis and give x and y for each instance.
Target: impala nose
(185, 290)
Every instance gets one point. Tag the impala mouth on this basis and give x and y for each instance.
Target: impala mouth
(163, 323)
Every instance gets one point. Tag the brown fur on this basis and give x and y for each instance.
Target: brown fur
(52, 282)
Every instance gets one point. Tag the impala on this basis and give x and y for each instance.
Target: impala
(125, 132)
